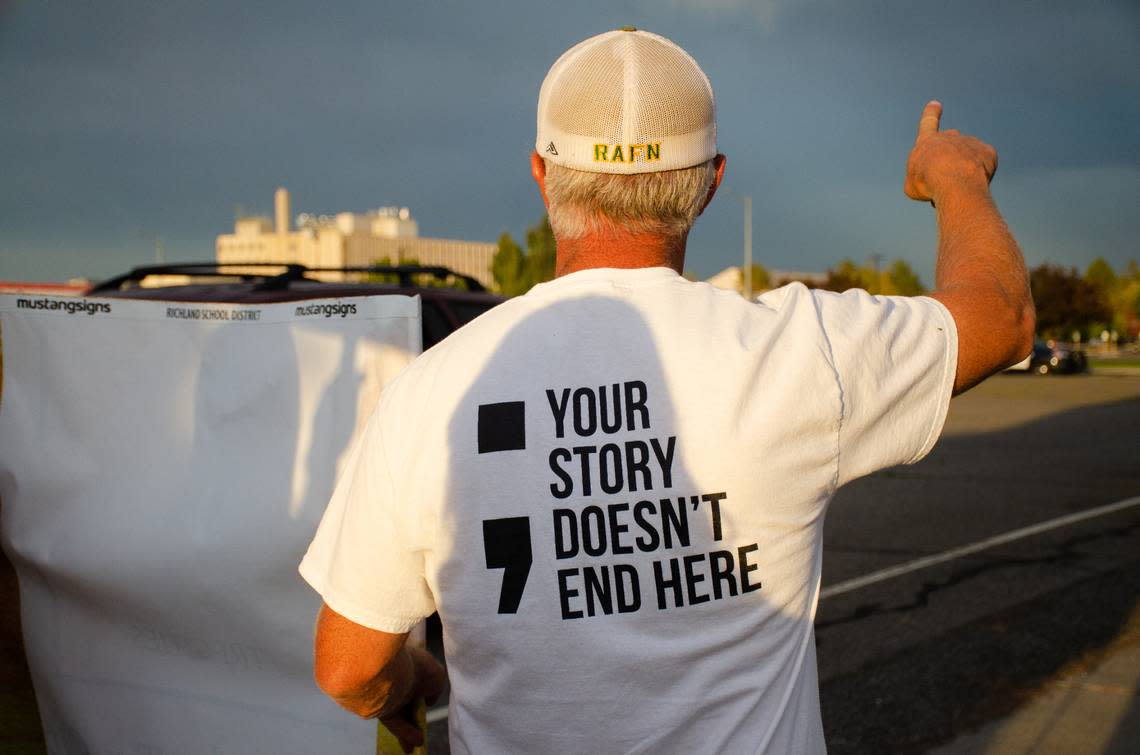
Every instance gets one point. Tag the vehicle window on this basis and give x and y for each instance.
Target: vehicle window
(466, 311)
(436, 325)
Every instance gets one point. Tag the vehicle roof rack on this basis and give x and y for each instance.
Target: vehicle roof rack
(405, 272)
(274, 278)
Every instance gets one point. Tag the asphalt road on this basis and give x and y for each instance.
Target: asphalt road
(914, 662)
(917, 660)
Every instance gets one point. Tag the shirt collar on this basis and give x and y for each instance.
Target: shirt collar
(637, 276)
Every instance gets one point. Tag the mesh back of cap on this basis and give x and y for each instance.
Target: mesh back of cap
(621, 89)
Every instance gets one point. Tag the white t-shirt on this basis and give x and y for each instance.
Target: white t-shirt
(612, 489)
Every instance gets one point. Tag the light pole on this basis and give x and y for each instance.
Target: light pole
(746, 272)
(747, 200)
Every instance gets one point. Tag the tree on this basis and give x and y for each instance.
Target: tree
(514, 270)
(845, 275)
(540, 251)
(1102, 278)
(508, 267)
(1101, 275)
(1126, 307)
(761, 279)
(901, 280)
(391, 278)
(1123, 295)
(422, 280)
(1065, 302)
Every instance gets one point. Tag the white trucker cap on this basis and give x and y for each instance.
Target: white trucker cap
(626, 101)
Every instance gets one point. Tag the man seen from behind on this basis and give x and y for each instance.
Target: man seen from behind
(612, 489)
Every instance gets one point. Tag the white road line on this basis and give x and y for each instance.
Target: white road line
(966, 550)
(440, 713)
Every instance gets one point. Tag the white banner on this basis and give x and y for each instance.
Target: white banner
(163, 466)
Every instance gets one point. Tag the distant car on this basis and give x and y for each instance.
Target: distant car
(1046, 359)
(453, 301)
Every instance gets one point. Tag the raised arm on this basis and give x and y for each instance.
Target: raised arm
(980, 275)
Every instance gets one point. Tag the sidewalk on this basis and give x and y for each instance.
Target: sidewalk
(1091, 707)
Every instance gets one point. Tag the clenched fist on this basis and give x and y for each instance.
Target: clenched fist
(944, 160)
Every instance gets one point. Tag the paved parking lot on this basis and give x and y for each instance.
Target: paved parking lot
(983, 652)
(945, 655)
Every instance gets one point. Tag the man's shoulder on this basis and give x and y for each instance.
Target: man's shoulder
(776, 298)
(850, 302)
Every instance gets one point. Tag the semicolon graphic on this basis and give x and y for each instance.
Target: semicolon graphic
(506, 545)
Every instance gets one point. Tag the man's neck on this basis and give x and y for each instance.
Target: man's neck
(622, 250)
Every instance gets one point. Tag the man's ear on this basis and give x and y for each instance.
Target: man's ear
(718, 165)
(538, 170)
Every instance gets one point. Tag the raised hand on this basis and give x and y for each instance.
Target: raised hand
(944, 160)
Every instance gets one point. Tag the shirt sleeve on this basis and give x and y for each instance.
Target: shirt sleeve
(367, 558)
(895, 358)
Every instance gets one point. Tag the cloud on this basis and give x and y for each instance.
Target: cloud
(764, 11)
(121, 115)
(1071, 215)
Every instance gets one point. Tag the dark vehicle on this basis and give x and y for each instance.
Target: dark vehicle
(449, 299)
(1056, 358)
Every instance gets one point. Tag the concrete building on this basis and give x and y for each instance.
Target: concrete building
(348, 239)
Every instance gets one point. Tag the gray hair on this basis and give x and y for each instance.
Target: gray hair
(665, 203)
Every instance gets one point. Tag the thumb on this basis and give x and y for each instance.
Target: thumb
(928, 123)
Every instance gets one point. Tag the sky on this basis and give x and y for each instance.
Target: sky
(126, 122)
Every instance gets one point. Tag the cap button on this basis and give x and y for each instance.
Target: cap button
(628, 28)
